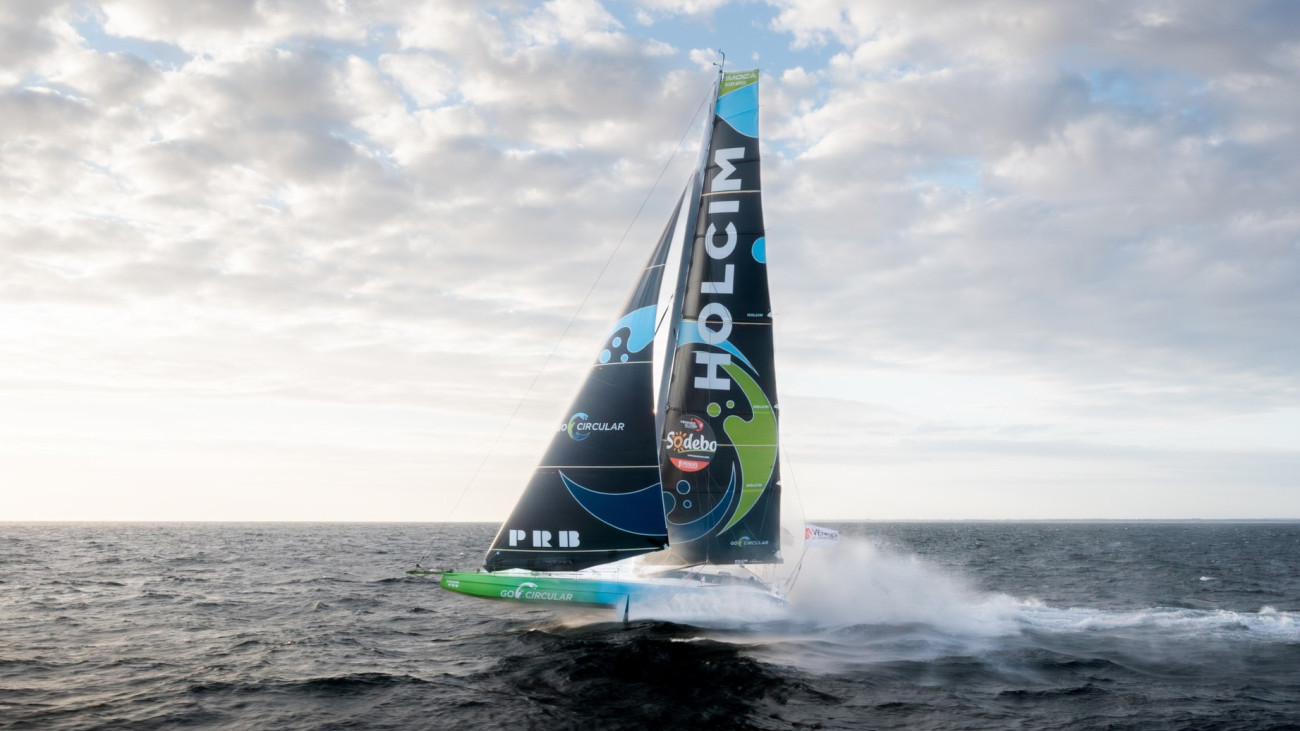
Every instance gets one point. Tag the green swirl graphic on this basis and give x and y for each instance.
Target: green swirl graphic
(755, 442)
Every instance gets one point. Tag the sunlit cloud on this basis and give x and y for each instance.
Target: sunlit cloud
(1019, 251)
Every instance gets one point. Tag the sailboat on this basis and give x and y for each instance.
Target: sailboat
(639, 496)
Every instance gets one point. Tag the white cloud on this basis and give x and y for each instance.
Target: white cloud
(1061, 211)
(425, 78)
(1082, 216)
(680, 7)
(580, 23)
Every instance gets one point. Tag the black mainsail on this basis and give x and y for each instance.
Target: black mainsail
(698, 474)
(721, 481)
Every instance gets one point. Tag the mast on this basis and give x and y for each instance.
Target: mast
(696, 188)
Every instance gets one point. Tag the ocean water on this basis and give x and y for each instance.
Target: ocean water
(900, 626)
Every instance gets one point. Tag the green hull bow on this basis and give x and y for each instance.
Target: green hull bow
(540, 589)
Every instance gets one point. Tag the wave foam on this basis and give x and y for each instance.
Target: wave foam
(858, 603)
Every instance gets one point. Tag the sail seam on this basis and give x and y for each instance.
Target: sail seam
(598, 466)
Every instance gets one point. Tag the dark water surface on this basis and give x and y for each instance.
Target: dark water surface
(902, 626)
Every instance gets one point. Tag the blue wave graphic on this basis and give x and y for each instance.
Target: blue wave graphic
(641, 323)
(636, 512)
(687, 335)
(740, 109)
(700, 527)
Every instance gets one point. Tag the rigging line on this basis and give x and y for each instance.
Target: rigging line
(662, 315)
(536, 377)
(787, 467)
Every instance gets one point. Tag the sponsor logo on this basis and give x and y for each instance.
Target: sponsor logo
(544, 538)
(529, 590)
(747, 541)
(715, 320)
(733, 80)
(690, 444)
(518, 590)
(579, 427)
(817, 534)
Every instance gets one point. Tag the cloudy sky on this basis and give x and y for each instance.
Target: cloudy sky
(343, 260)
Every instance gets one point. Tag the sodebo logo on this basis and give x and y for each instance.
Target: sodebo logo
(691, 444)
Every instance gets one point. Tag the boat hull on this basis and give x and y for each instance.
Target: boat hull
(576, 589)
(538, 589)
